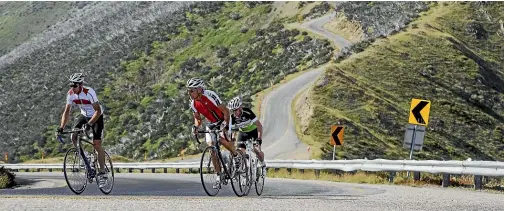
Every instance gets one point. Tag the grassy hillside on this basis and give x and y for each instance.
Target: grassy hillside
(145, 102)
(453, 56)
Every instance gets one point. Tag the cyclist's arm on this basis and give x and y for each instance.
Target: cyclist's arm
(259, 126)
(198, 119)
(96, 115)
(226, 113)
(66, 115)
(96, 106)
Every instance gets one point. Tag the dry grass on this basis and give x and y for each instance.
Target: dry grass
(345, 28)
(493, 184)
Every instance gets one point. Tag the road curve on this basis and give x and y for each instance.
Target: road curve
(280, 139)
(316, 26)
(184, 192)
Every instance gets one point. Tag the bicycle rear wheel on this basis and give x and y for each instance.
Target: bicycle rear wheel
(109, 170)
(76, 174)
(240, 180)
(260, 178)
(208, 174)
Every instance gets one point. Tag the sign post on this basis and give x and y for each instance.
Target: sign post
(418, 120)
(337, 137)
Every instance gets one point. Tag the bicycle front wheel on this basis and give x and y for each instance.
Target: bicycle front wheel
(260, 178)
(75, 171)
(240, 179)
(208, 174)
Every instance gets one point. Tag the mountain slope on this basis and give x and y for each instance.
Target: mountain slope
(139, 63)
(453, 56)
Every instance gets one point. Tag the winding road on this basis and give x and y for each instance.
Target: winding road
(280, 139)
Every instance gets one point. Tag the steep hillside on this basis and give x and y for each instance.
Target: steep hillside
(139, 73)
(20, 21)
(453, 56)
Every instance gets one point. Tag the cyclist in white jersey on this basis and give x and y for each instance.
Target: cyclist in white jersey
(91, 116)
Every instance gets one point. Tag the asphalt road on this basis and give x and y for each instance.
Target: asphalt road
(316, 26)
(184, 192)
(280, 139)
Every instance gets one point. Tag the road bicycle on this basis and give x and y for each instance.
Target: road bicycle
(84, 164)
(236, 176)
(256, 173)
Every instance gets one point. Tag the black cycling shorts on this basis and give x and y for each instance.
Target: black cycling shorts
(97, 127)
(242, 137)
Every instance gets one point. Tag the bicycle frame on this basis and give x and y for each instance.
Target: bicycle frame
(217, 146)
(82, 155)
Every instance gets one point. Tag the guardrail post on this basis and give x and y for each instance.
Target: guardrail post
(289, 170)
(165, 170)
(477, 180)
(38, 170)
(301, 171)
(177, 171)
(50, 170)
(130, 170)
(317, 172)
(446, 180)
(276, 169)
(153, 170)
(417, 176)
(117, 170)
(141, 170)
(391, 177)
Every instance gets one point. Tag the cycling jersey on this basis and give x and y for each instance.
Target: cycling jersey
(207, 106)
(84, 100)
(246, 121)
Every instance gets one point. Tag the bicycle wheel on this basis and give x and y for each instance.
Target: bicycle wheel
(109, 170)
(240, 179)
(76, 175)
(250, 168)
(207, 171)
(260, 179)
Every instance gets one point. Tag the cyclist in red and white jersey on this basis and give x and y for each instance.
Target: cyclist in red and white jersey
(207, 103)
(91, 116)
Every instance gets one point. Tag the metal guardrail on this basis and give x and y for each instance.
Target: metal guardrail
(481, 168)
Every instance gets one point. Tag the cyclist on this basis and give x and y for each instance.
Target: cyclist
(91, 117)
(207, 103)
(249, 126)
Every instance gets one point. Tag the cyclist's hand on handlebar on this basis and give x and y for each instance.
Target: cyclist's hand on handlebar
(59, 131)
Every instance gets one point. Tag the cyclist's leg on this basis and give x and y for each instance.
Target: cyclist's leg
(97, 142)
(227, 144)
(241, 137)
(79, 123)
(209, 138)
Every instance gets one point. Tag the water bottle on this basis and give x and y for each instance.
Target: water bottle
(226, 158)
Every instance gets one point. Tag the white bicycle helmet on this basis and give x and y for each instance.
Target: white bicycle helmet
(195, 83)
(76, 78)
(234, 103)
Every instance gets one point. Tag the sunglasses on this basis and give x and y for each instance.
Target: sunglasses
(191, 90)
(75, 85)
